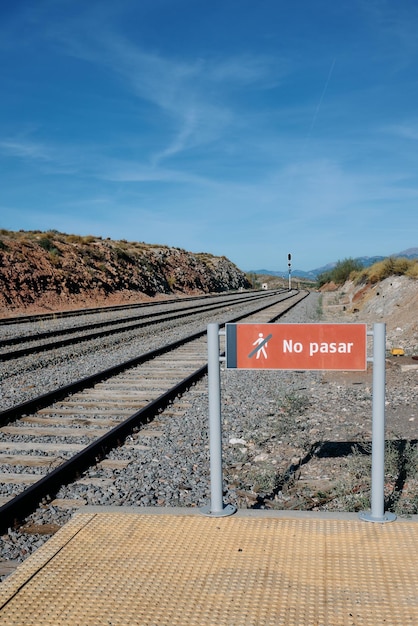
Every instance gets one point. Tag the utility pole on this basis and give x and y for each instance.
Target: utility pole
(289, 264)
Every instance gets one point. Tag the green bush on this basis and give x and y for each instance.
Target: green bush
(341, 272)
(352, 269)
(47, 244)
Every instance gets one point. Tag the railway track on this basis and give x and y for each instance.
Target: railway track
(42, 317)
(48, 441)
(39, 341)
(104, 310)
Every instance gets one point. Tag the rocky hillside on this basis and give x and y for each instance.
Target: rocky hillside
(42, 271)
(393, 301)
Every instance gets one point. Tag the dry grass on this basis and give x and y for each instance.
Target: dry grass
(388, 267)
(284, 468)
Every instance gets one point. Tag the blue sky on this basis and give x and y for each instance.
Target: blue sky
(240, 128)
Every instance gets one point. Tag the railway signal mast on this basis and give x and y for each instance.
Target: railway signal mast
(289, 264)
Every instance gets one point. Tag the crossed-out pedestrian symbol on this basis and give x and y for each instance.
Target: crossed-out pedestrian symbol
(260, 346)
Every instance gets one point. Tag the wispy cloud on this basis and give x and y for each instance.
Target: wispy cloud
(396, 24)
(193, 95)
(120, 170)
(193, 98)
(263, 132)
(25, 149)
(405, 130)
(261, 71)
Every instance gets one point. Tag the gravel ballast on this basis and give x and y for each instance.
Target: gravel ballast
(291, 440)
(21, 379)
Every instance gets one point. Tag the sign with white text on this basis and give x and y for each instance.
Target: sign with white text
(297, 346)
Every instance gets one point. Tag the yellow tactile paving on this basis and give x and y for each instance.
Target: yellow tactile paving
(115, 569)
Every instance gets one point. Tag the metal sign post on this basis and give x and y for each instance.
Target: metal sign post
(216, 507)
(377, 513)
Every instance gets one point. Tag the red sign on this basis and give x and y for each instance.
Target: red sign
(297, 346)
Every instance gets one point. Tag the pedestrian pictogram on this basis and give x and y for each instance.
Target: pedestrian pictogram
(261, 346)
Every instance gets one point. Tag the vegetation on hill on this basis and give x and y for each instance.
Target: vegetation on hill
(340, 273)
(53, 269)
(351, 269)
(388, 267)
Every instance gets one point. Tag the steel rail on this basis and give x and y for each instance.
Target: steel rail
(38, 317)
(26, 502)
(42, 401)
(11, 341)
(22, 505)
(162, 317)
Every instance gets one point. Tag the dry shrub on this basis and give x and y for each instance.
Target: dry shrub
(389, 267)
(412, 271)
(74, 239)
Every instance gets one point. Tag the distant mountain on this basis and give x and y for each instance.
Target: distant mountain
(410, 253)
(366, 261)
(284, 274)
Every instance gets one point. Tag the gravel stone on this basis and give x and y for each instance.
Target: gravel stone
(290, 439)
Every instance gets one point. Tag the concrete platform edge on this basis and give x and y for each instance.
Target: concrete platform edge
(257, 513)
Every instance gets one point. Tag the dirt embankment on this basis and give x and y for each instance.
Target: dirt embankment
(393, 301)
(52, 271)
